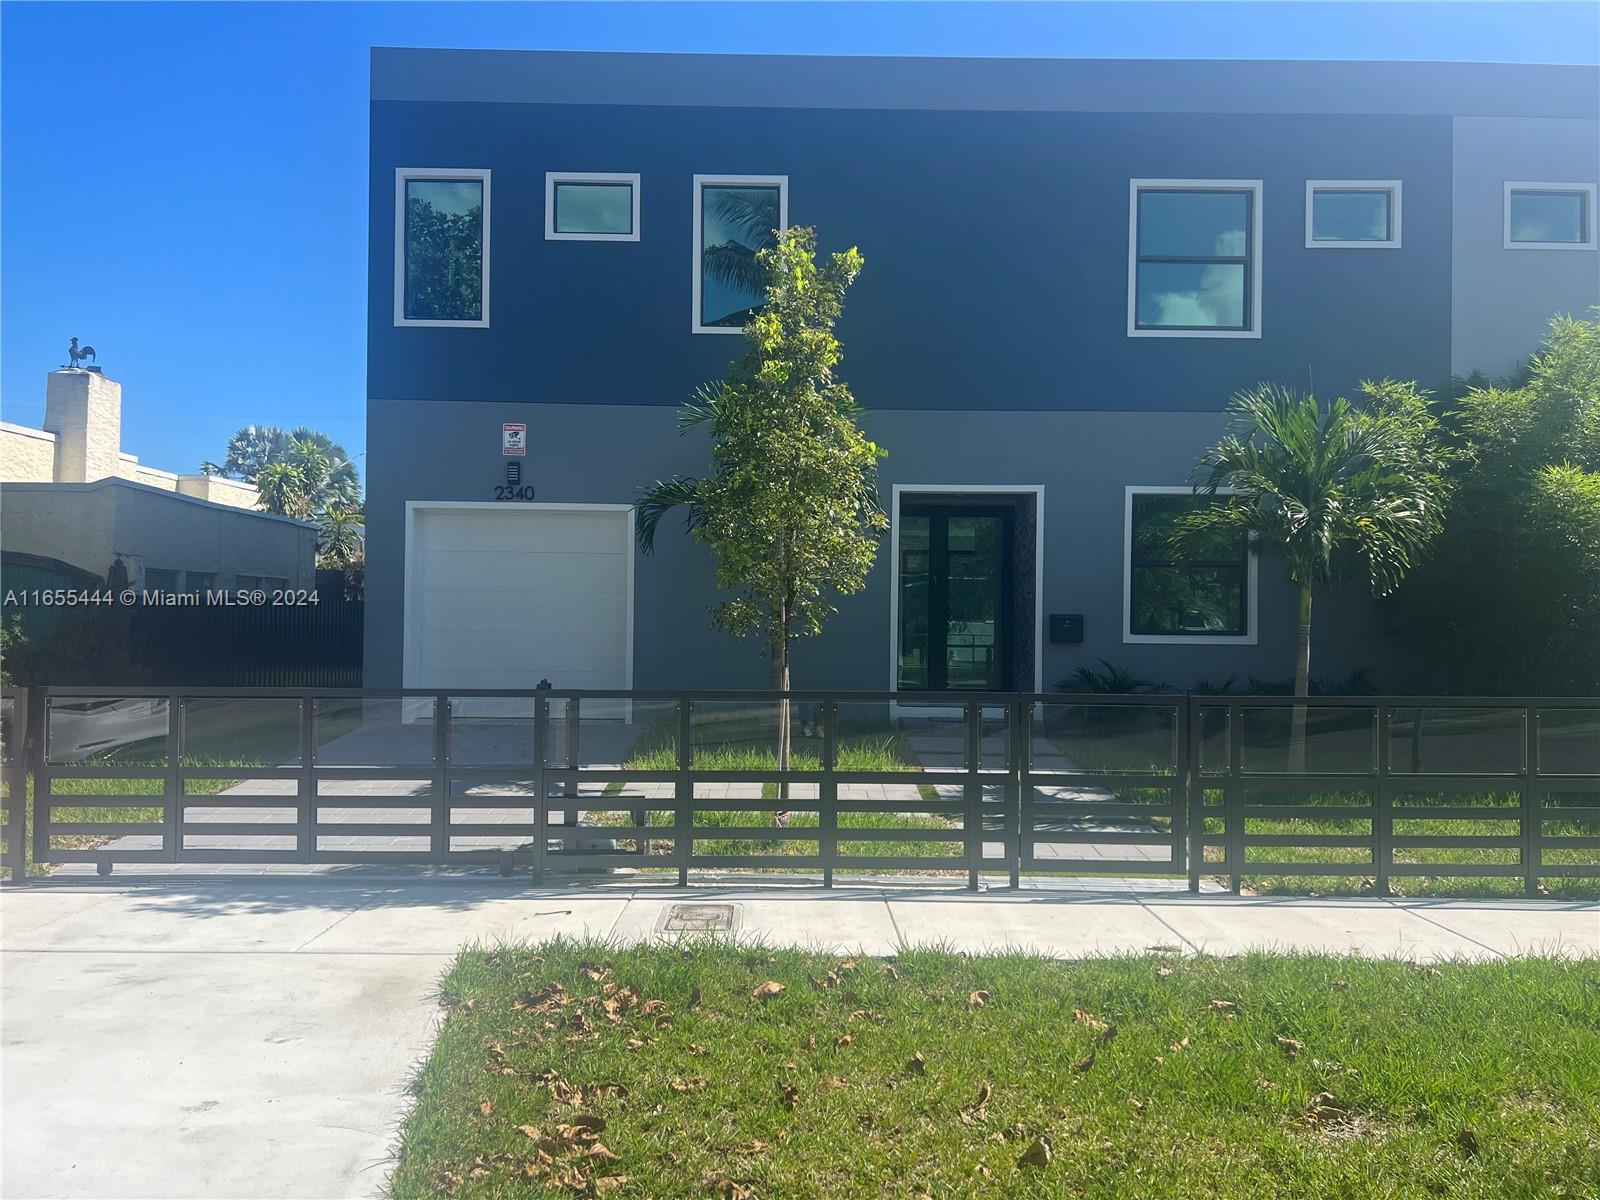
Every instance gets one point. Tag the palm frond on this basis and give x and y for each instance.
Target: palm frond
(703, 407)
(734, 266)
(750, 212)
(656, 500)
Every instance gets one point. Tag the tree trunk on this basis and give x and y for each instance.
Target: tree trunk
(779, 645)
(1302, 683)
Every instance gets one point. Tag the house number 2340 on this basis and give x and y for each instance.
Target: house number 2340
(506, 492)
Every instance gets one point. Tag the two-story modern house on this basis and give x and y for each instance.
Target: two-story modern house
(1070, 267)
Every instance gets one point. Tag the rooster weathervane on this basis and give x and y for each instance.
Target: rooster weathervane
(78, 353)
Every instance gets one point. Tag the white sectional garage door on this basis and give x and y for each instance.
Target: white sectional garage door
(502, 597)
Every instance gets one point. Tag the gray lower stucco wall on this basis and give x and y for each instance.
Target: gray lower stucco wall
(90, 525)
(421, 450)
(1502, 299)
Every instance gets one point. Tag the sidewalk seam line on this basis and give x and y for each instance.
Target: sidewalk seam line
(617, 920)
(369, 901)
(1193, 946)
(1439, 925)
(899, 938)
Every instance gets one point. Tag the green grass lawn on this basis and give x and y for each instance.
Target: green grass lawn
(571, 1069)
(743, 746)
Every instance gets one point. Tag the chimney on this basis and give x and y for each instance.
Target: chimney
(84, 410)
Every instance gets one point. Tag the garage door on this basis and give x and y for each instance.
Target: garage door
(504, 597)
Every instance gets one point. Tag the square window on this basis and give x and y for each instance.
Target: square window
(1194, 258)
(160, 581)
(591, 208)
(1352, 214)
(734, 219)
(199, 582)
(1206, 595)
(442, 248)
(1550, 216)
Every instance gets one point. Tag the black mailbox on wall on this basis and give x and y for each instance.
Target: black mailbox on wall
(1066, 627)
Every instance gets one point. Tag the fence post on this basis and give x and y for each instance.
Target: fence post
(1233, 799)
(39, 719)
(172, 785)
(1383, 806)
(1020, 811)
(541, 751)
(306, 834)
(828, 794)
(683, 790)
(1181, 762)
(19, 752)
(972, 792)
(439, 841)
(1532, 804)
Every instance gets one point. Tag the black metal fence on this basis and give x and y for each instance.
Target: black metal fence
(985, 784)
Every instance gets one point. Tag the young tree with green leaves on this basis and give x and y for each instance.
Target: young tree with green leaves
(1340, 491)
(1509, 600)
(789, 507)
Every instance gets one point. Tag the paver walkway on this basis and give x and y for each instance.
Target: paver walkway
(254, 1038)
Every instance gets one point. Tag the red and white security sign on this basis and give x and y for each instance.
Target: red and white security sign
(513, 439)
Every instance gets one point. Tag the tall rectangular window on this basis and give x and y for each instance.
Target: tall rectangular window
(591, 208)
(734, 219)
(1352, 214)
(1550, 216)
(1194, 266)
(1204, 595)
(442, 248)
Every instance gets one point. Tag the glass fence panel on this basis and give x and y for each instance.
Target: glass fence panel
(1316, 740)
(250, 731)
(1125, 738)
(125, 731)
(602, 734)
(1569, 741)
(1455, 741)
(389, 731)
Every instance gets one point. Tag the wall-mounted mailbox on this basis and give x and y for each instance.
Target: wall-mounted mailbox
(1066, 627)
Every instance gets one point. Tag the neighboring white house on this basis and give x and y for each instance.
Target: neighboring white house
(70, 496)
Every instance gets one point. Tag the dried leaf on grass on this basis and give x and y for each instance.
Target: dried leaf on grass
(1038, 1154)
(767, 990)
(978, 999)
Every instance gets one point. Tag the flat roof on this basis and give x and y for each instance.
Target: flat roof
(986, 84)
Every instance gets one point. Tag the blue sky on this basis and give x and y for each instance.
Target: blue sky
(183, 184)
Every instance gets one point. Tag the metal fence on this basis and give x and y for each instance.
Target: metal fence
(1000, 784)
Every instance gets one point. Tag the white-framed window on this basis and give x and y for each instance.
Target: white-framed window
(734, 217)
(597, 206)
(1550, 216)
(1352, 214)
(441, 247)
(1194, 258)
(1208, 598)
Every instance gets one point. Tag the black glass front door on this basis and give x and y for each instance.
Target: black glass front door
(955, 598)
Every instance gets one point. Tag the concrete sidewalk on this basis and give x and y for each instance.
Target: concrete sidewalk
(254, 1037)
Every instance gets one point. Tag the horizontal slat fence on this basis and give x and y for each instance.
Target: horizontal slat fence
(1005, 784)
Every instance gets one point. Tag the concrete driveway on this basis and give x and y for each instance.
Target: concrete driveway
(254, 1037)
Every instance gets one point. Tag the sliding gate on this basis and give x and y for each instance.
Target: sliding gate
(1379, 790)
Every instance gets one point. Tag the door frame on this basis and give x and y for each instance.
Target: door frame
(978, 492)
(411, 639)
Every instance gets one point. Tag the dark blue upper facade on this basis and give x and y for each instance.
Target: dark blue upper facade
(996, 243)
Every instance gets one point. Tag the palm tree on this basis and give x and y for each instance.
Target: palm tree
(283, 491)
(255, 447)
(1338, 491)
(339, 534)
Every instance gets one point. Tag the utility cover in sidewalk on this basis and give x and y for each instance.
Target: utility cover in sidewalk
(698, 918)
